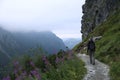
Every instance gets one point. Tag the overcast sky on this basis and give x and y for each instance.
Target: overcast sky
(62, 17)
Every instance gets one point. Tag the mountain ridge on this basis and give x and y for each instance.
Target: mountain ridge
(71, 42)
(13, 44)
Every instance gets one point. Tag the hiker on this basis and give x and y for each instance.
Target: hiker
(91, 50)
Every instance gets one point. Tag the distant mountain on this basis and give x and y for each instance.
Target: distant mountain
(15, 44)
(8, 46)
(71, 42)
(47, 40)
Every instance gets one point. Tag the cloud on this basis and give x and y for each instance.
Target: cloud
(25, 15)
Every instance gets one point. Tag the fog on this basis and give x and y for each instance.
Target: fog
(63, 17)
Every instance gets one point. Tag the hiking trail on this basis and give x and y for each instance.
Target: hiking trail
(99, 71)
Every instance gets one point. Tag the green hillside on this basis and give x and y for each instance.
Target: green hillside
(108, 47)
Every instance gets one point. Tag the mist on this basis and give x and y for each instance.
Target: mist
(62, 17)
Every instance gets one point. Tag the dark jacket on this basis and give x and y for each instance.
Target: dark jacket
(91, 45)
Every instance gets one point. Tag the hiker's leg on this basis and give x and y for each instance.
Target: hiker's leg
(90, 53)
(93, 58)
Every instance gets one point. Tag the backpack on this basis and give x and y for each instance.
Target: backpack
(91, 45)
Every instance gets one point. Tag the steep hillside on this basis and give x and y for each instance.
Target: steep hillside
(8, 43)
(16, 44)
(46, 40)
(108, 47)
(8, 46)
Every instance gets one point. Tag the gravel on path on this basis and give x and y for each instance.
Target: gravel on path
(99, 71)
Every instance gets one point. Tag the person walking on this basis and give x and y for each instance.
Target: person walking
(91, 50)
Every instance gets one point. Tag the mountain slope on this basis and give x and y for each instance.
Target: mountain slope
(16, 44)
(8, 46)
(71, 42)
(102, 18)
(108, 47)
(46, 40)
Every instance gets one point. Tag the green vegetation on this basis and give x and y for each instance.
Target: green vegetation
(108, 47)
(61, 66)
(69, 70)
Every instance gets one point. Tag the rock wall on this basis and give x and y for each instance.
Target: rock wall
(96, 12)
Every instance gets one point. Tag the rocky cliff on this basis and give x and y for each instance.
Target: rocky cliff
(95, 12)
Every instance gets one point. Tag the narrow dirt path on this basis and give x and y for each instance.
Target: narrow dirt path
(99, 71)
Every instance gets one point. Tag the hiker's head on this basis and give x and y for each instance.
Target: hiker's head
(91, 39)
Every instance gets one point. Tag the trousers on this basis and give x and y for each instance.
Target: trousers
(91, 55)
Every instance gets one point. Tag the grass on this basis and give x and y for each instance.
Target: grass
(69, 70)
(108, 47)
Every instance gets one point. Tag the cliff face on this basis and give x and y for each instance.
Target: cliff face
(96, 12)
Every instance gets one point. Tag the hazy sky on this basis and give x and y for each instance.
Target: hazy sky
(63, 17)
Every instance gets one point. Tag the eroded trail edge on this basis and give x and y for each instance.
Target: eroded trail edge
(99, 71)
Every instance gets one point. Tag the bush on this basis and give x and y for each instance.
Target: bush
(69, 70)
(61, 66)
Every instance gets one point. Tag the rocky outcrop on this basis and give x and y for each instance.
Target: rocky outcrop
(96, 12)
